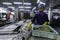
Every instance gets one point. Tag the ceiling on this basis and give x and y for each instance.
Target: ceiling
(33, 3)
(11, 1)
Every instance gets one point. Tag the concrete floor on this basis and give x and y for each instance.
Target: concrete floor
(58, 38)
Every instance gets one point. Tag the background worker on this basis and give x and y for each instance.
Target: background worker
(10, 17)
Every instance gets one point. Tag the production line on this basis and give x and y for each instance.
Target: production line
(10, 28)
(24, 30)
(29, 20)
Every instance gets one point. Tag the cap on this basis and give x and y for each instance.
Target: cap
(41, 6)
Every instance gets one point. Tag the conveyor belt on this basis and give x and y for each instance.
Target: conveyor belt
(11, 28)
(19, 23)
(8, 29)
(7, 37)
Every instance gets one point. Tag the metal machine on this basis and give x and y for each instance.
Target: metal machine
(3, 16)
(55, 18)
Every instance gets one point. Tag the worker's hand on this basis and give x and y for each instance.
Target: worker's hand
(29, 26)
(45, 23)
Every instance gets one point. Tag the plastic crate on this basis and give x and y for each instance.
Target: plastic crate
(39, 38)
(45, 34)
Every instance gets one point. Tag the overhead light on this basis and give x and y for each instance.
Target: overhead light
(27, 10)
(17, 2)
(20, 7)
(24, 7)
(7, 3)
(38, 1)
(34, 9)
(13, 8)
(27, 7)
(24, 10)
(27, 3)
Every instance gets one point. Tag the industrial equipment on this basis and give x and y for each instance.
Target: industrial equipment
(3, 16)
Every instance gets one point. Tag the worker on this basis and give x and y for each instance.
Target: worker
(10, 17)
(40, 18)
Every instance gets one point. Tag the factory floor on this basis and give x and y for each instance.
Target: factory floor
(11, 37)
(57, 28)
(58, 38)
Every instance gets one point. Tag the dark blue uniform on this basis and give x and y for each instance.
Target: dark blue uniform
(40, 18)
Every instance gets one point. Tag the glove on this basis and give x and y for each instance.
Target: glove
(29, 26)
(45, 23)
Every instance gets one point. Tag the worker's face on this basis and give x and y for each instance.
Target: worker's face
(41, 9)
